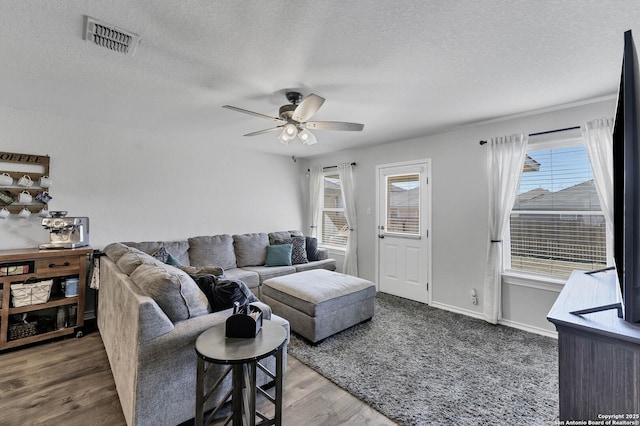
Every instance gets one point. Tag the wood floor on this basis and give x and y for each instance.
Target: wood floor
(68, 382)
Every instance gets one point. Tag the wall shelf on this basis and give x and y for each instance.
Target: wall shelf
(17, 165)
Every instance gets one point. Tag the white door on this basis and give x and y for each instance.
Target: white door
(403, 216)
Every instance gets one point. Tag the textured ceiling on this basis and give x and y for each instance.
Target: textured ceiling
(403, 68)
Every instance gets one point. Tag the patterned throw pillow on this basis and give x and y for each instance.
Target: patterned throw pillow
(161, 255)
(165, 257)
(298, 251)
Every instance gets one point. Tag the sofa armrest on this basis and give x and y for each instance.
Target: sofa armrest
(323, 253)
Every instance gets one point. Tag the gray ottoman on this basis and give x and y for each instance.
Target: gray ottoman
(319, 303)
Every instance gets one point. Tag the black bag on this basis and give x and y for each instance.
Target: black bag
(222, 292)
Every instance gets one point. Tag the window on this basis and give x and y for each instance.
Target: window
(403, 204)
(334, 230)
(556, 224)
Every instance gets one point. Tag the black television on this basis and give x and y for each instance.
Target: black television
(626, 183)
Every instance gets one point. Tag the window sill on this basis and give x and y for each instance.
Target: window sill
(333, 249)
(533, 281)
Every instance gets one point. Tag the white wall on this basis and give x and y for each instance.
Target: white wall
(137, 186)
(460, 210)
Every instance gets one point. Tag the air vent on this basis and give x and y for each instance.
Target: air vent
(111, 37)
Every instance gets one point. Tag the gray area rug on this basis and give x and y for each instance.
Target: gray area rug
(424, 366)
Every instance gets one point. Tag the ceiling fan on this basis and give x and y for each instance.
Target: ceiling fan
(293, 119)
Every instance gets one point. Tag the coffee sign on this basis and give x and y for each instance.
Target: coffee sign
(13, 157)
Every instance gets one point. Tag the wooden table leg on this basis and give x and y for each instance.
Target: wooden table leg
(279, 373)
(236, 401)
(199, 393)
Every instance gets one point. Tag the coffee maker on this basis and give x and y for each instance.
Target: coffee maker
(66, 232)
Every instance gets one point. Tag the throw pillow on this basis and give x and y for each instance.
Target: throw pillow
(298, 250)
(172, 260)
(165, 257)
(161, 255)
(312, 248)
(279, 255)
(222, 292)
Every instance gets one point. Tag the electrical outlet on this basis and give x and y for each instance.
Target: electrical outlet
(474, 296)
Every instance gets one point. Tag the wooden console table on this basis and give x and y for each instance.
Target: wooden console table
(598, 353)
(39, 265)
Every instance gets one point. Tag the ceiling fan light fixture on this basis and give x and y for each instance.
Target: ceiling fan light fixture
(288, 133)
(307, 137)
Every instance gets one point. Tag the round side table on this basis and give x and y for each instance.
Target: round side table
(242, 355)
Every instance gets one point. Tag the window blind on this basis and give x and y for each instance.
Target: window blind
(403, 204)
(334, 224)
(556, 224)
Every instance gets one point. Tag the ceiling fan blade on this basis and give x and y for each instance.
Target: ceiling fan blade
(334, 125)
(255, 114)
(309, 106)
(259, 132)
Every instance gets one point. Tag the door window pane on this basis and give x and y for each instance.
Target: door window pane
(403, 204)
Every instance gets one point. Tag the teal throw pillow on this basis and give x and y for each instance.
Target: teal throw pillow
(279, 255)
(172, 260)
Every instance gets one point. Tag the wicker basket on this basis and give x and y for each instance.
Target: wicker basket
(21, 330)
(31, 293)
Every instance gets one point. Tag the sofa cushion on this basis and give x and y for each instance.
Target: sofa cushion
(266, 272)
(172, 289)
(216, 250)
(133, 258)
(283, 235)
(328, 264)
(298, 250)
(250, 249)
(278, 255)
(250, 278)
(115, 250)
(178, 249)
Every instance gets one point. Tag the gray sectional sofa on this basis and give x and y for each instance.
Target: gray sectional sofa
(241, 256)
(150, 314)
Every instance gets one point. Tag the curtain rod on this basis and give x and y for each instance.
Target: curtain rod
(332, 167)
(545, 133)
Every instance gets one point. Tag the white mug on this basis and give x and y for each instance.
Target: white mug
(4, 213)
(45, 182)
(6, 179)
(44, 213)
(24, 213)
(25, 181)
(25, 197)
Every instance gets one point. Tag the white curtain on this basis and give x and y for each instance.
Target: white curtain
(350, 265)
(315, 186)
(505, 160)
(598, 138)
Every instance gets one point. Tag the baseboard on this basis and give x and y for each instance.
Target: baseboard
(529, 328)
(507, 323)
(457, 310)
